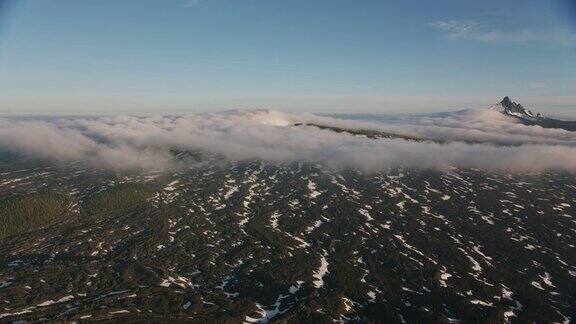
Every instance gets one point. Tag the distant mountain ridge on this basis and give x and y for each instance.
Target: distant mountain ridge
(527, 117)
(373, 134)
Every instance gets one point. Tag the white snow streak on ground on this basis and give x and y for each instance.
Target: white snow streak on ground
(274, 219)
(312, 188)
(443, 277)
(274, 309)
(366, 214)
(321, 272)
(52, 302)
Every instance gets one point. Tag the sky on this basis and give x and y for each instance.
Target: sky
(340, 56)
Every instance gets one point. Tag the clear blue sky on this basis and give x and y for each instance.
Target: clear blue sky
(103, 56)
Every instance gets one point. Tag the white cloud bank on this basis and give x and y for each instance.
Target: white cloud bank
(128, 142)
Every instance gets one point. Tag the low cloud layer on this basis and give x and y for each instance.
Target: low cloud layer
(477, 138)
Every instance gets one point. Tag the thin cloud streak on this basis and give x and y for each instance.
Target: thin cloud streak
(477, 31)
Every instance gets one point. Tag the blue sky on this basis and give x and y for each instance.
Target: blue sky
(174, 56)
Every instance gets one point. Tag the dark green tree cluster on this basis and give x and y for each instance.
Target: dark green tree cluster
(119, 197)
(26, 212)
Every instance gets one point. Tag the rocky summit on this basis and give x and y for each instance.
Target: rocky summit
(509, 107)
(526, 117)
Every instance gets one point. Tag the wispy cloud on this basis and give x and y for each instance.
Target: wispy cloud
(479, 31)
(455, 28)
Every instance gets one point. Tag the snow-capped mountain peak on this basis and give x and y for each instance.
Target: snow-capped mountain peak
(511, 108)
